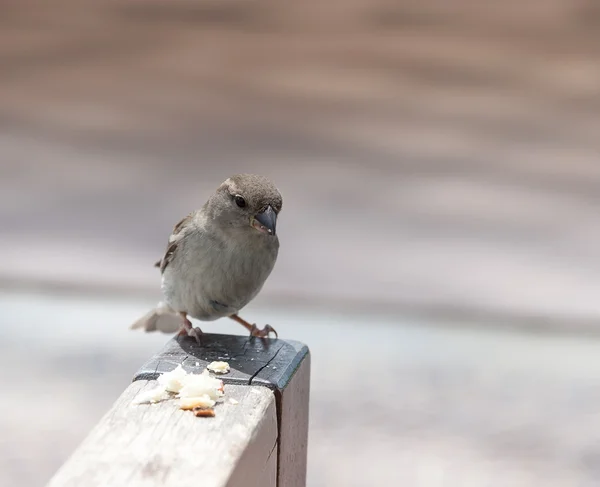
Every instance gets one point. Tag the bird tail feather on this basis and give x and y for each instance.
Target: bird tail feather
(162, 318)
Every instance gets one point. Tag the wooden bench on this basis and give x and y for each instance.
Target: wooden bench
(259, 441)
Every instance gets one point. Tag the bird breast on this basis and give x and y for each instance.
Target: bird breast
(210, 277)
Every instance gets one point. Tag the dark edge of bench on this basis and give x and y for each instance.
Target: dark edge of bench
(270, 362)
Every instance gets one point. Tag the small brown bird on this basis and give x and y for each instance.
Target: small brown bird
(218, 258)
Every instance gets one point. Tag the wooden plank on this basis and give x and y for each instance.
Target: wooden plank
(280, 365)
(271, 363)
(292, 410)
(160, 445)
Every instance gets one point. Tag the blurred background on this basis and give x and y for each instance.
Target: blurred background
(440, 234)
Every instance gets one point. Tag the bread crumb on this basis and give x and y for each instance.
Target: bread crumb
(195, 391)
(197, 385)
(202, 402)
(233, 401)
(218, 367)
(152, 396)
(204, 413)
(173, 381)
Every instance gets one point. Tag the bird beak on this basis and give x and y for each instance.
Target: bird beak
(265, 221)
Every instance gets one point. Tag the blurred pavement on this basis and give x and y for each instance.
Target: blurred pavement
(398, 403)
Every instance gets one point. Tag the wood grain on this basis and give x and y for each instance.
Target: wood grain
(292, 408)
(270, 363)
(160, 445)
(280, 365)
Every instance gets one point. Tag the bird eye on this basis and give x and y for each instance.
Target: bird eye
(240, 201)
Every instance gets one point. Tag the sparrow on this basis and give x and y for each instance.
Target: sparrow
(218, 258)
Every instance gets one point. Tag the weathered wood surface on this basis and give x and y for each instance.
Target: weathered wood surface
(261, 441)
(280, 365)
(161, 445)
(292, 406)
(271, 363)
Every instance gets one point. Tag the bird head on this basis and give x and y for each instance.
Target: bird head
(246, 202)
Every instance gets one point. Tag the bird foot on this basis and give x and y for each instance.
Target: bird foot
(255, 331)
(187, 329)
(196, 333)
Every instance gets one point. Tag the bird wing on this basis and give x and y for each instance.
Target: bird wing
(179, 232)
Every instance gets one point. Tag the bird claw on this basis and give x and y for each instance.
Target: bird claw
(196, 333)
(264, 333)
(188, 330)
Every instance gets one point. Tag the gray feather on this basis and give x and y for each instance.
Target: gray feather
(159, 319)
(216, 261)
